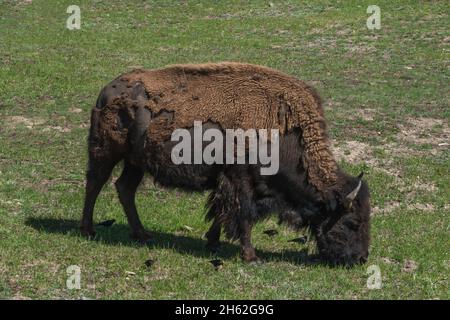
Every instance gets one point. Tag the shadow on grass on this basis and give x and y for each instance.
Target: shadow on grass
(118, 234)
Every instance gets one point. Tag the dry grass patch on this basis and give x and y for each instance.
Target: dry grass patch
(420, 131)
(13, 122)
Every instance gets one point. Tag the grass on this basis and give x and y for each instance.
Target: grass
(385, 92)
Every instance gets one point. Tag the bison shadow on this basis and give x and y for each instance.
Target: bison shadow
(118, 234)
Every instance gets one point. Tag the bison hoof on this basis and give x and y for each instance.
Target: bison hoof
(256, 261)
(143, 237)
(251, 258)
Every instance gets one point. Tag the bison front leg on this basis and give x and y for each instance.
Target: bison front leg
(248, 252)
(126, 187)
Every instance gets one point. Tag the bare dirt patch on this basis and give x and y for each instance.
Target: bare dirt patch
(412, 190)
(13, 206)
(358, 49)
(421, 131)
(353, 152)
(401, 150)
(56, 128)
(75, 110)
(12, 122)
(357, 152)
(413, 132)
(387, 208)
(421, 206)
(24, 2)
(367, 114)
(361, 112)
(391, 206)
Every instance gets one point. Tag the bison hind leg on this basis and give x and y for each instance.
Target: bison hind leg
(97, 175)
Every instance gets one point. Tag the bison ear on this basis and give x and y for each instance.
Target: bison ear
(352, 195)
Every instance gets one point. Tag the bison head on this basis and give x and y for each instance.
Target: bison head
(342, 227)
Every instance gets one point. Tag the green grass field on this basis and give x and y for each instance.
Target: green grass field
(387, 102)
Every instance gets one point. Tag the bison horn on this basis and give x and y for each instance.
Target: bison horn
(352, 195)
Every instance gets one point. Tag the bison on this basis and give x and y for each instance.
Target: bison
(136, 114)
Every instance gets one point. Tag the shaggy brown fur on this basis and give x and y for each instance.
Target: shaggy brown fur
(236, 96)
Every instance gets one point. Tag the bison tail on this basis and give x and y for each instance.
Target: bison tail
(108, 134)
(94, 140)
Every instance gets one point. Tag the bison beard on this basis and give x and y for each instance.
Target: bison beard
(136, 114)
